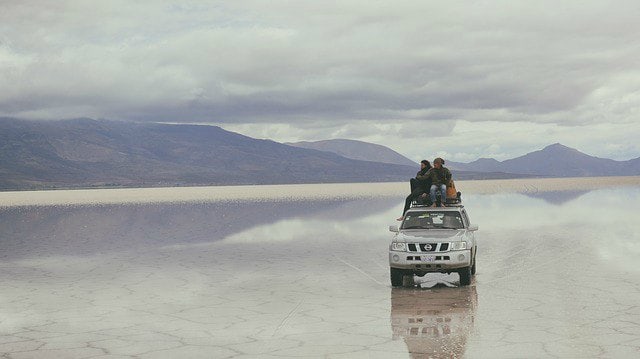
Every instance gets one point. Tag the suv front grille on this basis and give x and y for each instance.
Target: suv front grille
(428, 247)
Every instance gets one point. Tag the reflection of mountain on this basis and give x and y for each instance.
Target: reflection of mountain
(434, 323)
(350, 210)
(558, 197)
(89, 230)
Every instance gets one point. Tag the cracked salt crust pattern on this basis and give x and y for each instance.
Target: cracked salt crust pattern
(310, 279)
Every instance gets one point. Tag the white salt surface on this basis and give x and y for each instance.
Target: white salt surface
(293, 192)
(557, 276)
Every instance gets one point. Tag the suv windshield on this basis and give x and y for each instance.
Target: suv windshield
(432, 219)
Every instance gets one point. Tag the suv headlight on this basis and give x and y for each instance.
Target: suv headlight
(398, 246)
(458, 246)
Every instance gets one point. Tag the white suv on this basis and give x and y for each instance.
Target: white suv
(433, 239)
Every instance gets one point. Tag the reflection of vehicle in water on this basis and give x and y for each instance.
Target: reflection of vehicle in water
(433, 323)
(439, 239)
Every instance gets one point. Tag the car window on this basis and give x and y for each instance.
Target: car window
(432, 219)
(466, 218)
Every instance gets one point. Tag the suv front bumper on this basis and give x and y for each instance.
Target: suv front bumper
(426, 263)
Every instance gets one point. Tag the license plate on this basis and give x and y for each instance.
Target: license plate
(428, 258)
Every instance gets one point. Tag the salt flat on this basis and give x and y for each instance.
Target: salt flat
(293, 191)
(301, 271)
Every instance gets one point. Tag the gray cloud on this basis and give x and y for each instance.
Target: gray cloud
(317, 70)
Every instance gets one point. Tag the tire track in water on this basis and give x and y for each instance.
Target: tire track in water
(360, 270)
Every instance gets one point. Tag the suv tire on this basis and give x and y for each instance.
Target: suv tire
(396, 277)
(465, 276)
(473, 267)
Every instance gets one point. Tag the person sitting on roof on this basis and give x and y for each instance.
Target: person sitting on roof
(439, 176)
(419, 185)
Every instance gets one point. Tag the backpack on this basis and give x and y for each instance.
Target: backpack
(451, 190)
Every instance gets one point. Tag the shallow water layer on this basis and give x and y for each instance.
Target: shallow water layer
(557, 276)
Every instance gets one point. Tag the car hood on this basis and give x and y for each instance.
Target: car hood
(432, 235)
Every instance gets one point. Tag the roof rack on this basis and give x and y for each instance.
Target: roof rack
(451, 205)
(425, 201)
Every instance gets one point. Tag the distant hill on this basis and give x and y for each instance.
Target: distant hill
(555, 160)
(480, 165)
(358, 150)
(372, 152)
(86, 153)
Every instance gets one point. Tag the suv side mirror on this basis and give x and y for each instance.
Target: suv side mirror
(393, 229)
(473, 227)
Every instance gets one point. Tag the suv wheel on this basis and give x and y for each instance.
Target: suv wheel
(465, 276)
(396, 277)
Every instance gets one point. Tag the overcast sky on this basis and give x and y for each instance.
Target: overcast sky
(460, 79)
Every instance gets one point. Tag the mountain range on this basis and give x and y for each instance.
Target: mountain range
(101, 153)
(555, 160)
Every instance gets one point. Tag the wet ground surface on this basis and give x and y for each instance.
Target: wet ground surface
(558, 276)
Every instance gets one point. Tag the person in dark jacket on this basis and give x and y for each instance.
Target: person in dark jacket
(439, 176)
(419, 185)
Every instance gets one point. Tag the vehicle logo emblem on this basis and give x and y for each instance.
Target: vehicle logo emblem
(427, 247)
